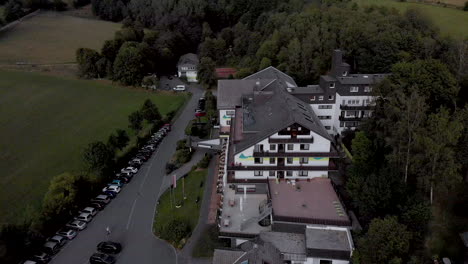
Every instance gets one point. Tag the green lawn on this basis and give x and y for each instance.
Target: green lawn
(453, 22)
(45, 123)
(52, 37)
(189, 212)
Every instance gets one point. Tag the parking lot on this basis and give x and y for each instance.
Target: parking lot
(127, 218)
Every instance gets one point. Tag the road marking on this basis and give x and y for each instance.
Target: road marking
(131, 213)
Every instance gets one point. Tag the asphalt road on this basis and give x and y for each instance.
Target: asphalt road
(130, 215)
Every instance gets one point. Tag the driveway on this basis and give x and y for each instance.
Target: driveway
(167, 84)
(130, 214)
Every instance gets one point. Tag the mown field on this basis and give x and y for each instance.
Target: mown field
(45, 123)
(452, 22)
(52, 37)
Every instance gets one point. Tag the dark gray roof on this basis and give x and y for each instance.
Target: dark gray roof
(189, 59)
(260, 252)
(272, 109)
(273, 73)
(309, 89)
(327, 239)
(222, 256)
(362, 78)
(328, 78)
(230, 92)
(285, 242)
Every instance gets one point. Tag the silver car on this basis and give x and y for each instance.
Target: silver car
(85, 217)
(67, 233)
(77, 225)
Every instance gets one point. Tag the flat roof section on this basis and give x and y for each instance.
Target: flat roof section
(314, 202)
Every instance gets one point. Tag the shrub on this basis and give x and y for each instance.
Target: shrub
(170, 167)
(181, 144)
(183, 155)
(176, 230)
(205, 161)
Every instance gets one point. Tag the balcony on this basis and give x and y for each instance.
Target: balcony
(290, 140)
(355, 107)
(331, 167)
(350, 118)
(262, 154)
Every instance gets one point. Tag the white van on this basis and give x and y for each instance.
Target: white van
(179, 88)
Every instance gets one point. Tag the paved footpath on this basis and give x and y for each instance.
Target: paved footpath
(130, 215)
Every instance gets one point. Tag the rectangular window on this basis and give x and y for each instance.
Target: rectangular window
(324, 117)
(321, 98)
(331, 97)
(341, 124)
(367, 89)
(258, 148)
(290, 147)
(258, 160)
(312, 98)
(258, 173)
(303, 173)
(272, 147)
(354, 89)
(332, 85)
(272, 160)
(325, 106)
(304, 160)
(305, 146)
(228, 122)
(327, 127)
(366, 102)
(323, 261)
(289, 173)
(230, 113)
(272, 173)
(289, 160)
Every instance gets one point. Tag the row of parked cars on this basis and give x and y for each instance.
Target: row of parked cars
(106, 249)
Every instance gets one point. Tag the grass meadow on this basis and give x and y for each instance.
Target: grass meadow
(46, 122)
(52, 37)
(451, 22)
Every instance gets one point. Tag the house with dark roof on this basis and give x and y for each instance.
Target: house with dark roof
(187, 67)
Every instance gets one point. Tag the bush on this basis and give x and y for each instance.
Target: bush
(181, 144)
(170, 167)
(176, 230)
(169, 116)
(183, 156)
(205, 161)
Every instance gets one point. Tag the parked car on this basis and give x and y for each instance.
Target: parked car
(179, 87)
(89, 210)
(111, 188)
(123, 179)
(41, 257)
(60, 240)
(130, 169)
(102, 198)
(142, 157)
(85, 217)
(167, 126)
(200, 113)
(51, 248)
(67, 233)
(117, 182)
(98, 206)
(110, 194)
(101, 258)
(135, 161)
(30, 262)
(77, 225)
(109, 247)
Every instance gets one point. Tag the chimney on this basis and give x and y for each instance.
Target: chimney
(339, 68)
(257, 86)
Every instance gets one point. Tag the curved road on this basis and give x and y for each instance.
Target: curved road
(130, 214)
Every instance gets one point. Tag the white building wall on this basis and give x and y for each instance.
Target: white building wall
(317, 261)
(327, 123)
(251, 175)
(192, 76)
(340, 100)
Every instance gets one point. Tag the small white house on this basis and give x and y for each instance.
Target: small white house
(187, 67)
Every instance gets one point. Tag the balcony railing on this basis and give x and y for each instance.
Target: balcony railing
(331, 167)
(355, 107)
(290, 140)
(350, 118)
(258, 154)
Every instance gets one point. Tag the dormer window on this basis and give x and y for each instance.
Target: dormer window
(345, 73)
(321, 98)
(367, 89)
(332, 85)
(354, 89)
(312, 98)
(331, 97)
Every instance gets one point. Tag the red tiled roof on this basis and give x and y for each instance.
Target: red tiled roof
(225, 72)
(313, 200)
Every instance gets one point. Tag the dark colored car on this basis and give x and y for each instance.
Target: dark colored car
(109, 247)
(51, 248)
(98, 206)
(110, 194)
(200, 113)
(101, 258)
(41, 257)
